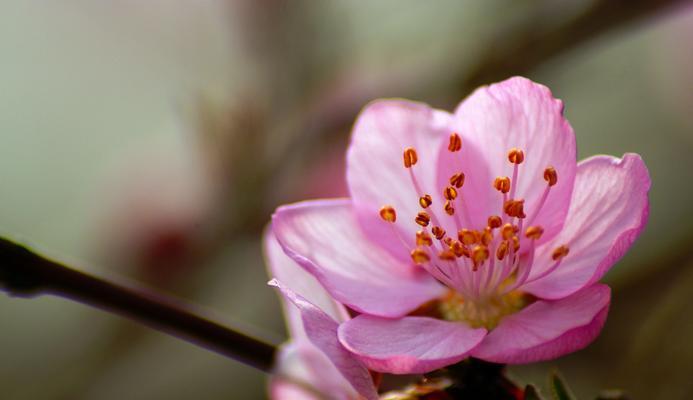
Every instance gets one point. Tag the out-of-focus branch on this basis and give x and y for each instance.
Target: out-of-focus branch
(24, 273)
(520, 51)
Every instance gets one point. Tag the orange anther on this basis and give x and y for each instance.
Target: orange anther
(467, 236)
(515, 208)
(502, 184)
(450, 193)
(420, 256)
(423, 239)
(508, 230)
(479, 255)
(457, 180)
(449, 209)
(494, 222)
(502, 250)
(388, 213)
(410, 157)
(455, 142)
(560, 252)
(534, 232)
(438, 232)
(551, 176)
(486, 236)
(516, 156)
(422, 218)
(447, 255)
(425, 201)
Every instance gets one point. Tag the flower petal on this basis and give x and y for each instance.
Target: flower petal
(375, 171)
(409, 345)
(285, 270)
(303, 372)
(548, 329)
(518, 113)
(321, 330)
(325, 239)
(608, 211)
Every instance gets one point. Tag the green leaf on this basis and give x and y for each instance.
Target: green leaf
(531, 393)
(559, 389)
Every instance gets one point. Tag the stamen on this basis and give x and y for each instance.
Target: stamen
(515, 208)
(425, 201)
(479, 255)
(468, 237)
(502, 250)
(455, 142)
(551, 176)
(438, 232)
(486, 236)
(447, 255)
(516, 156)
(516, 244)
(423, 239)
(457, 180)
(509, 230)
(450, 193)
(459, 249)
(388, 213)
(449, 209)
(410, 157)
(494, 222)
(448, 241)
(423, 219)
(560, 252)
(534, 232)
(420, 256)
(502, 184)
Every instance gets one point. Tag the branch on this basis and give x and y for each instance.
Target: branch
(24, 273)
(517, 53)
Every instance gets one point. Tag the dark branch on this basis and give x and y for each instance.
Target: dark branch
(24, 273)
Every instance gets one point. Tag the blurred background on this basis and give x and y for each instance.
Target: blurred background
(151, 141)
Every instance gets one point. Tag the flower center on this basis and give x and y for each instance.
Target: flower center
(483, 267)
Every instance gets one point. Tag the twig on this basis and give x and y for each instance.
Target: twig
(24, 273)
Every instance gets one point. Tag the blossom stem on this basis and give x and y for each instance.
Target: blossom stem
(24, 273)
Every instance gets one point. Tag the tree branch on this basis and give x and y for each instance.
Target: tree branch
(24, 273)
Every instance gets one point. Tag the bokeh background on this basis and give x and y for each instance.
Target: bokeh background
(152, 140)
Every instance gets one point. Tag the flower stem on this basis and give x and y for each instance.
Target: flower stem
(24, 273)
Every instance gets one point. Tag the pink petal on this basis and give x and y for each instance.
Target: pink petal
(325, 239)
(517, 113)
(305, 372)
(321, 330)
(608, 211)
(375, 171)
(285, 270)
(548, 329)
(409, 345)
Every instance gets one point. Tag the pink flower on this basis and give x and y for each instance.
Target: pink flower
(487, 241)
(313, 364)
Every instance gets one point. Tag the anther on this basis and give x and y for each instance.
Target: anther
(486, 236)
(515, 208)
(455, 142)
(502, 250)
(388, 213)
(502, 184)
(449, 209)
(550, 176)
(508, 230)
(422, 218)
(479, 255)
(420, 256)
(467, 236)
(560, 252)
(516, 243)
(410, 157)
(516, 156)
(494, 222)
(423, 239)
(447, 255)
(425, 201)
(459, 249)
(450, 193)
(534, 232)
(457, 180)
(438, 232)
(448, 241)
